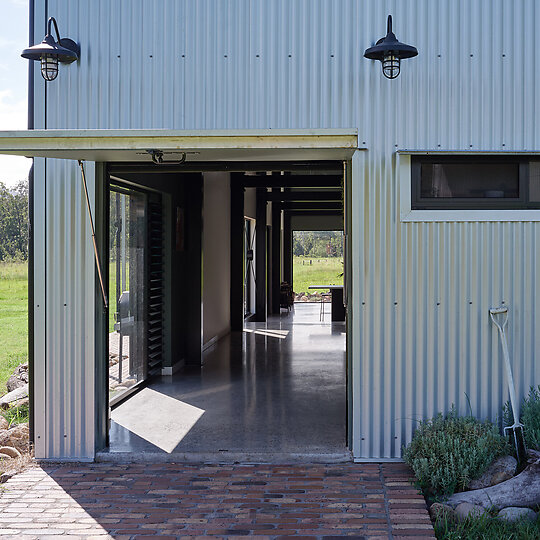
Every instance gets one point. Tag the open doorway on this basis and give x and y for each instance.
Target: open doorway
(318, 270)
(240, 373)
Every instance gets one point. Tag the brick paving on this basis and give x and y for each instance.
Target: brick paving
(144, 501)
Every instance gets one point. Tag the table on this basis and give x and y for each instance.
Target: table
(338, 309)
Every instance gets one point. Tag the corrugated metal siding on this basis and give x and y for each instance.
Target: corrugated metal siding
(64, 314)
(202, 64)
(70, 314)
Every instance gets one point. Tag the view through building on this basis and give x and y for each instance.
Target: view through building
(317, 260)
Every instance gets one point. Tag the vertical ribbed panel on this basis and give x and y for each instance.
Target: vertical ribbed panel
(69, 314)
(186, 64)
(424, 337)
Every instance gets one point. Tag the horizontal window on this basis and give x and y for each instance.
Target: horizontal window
(475, 182)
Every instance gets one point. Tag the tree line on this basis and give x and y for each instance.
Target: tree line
(318, 244)
(14, 222)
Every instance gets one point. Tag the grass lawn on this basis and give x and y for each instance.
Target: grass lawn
(487, 528)
(320, 272)
(13, 319)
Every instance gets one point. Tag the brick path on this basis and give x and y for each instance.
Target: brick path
(124, 501)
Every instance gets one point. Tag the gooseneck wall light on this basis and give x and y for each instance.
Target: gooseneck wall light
(390, 52)
(50, 52)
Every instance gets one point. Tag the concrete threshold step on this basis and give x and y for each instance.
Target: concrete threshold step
(281, 458)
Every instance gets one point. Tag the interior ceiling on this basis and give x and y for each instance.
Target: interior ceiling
(304, 189)
(252, 169)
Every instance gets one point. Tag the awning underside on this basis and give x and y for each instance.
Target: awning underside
(211, 145)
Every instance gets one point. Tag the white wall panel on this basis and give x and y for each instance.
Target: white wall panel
(424, 337)
(216, 256)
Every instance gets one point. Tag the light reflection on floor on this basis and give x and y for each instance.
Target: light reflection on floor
(280, 334)
(278, 386)
(157, 418)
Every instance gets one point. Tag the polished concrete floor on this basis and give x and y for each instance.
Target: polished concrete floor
(277, 387)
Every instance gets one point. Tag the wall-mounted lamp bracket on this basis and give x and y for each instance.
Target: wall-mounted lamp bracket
(390, 52)
(50, 52)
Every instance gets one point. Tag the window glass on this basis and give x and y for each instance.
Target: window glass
(534, 181)
(470, 180)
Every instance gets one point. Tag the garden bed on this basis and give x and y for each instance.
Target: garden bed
(470, 477)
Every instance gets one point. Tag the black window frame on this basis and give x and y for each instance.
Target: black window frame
(472, 203)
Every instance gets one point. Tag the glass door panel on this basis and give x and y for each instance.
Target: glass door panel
(249, 269)
(127, 278)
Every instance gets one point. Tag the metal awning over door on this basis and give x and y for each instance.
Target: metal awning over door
(208, 145)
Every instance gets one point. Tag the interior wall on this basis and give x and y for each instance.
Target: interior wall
(250, 203)
(216, 256)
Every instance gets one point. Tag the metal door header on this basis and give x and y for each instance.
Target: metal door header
(207, 145)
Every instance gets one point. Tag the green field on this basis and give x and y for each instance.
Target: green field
(13, 319)
(323, 271)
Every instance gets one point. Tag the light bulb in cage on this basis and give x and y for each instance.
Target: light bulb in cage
(391, 65)
(390, 52)
(49, 67)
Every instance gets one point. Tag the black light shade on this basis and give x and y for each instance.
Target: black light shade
(390, 52)
(50, 52)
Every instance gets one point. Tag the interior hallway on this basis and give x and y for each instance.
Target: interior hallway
(278, 387)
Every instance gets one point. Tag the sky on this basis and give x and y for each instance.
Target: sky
(13, 84)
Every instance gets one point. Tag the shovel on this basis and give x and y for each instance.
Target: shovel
(499, 317)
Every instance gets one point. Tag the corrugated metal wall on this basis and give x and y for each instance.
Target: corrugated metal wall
(422, 290)
(64, 311)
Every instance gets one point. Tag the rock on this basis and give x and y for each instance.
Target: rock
(17, 437)
(501, 469)
(522, 490)
(14, 395)
(10, 451)
(3, 456)
(514, 513)
(4, 477)
(4, 424)
(441, 511)
(19, 378)
(466, 510)
(499, 477)
(19, 403)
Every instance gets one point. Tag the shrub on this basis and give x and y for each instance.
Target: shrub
(530, 417)
(446, 452)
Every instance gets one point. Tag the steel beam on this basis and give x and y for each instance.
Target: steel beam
(260, 256)
(312, 205)
(276, 256)
(324, 195)
(295, 180)
(333, 167)
(237, 255)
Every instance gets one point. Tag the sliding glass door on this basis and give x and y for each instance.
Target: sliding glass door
(128, 239)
